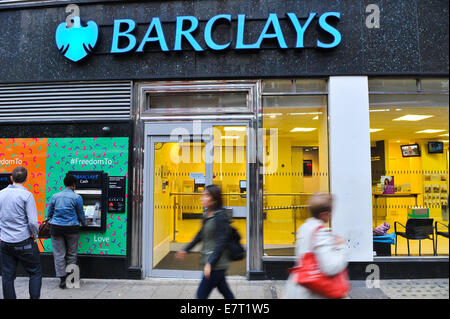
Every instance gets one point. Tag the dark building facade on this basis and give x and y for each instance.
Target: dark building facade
(100, 86)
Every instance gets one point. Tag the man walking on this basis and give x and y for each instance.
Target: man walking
(18, 232)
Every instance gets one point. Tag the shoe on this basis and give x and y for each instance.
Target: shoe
(62, 283)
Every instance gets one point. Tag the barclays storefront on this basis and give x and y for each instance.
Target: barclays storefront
(148, 102)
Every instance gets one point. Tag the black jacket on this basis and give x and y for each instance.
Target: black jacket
(214, 235)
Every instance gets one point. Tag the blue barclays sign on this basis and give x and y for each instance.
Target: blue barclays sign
(75, 41)
(72, 39)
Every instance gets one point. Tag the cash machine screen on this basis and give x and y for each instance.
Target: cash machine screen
(93, 208)
(92, 187)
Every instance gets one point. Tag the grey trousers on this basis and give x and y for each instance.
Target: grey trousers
(65, 249)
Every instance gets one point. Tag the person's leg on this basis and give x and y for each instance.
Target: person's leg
(205, 287)
(222, 285)
(30, 260)
(9, 266)
(72, 248)
(59, 255)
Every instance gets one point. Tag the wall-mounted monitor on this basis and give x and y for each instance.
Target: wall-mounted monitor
(410, 150)
(435, 147)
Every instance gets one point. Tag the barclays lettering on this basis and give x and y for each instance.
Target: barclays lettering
(272, 23)
(77, 41)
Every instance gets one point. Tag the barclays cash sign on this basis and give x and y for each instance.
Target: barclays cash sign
(77, 41)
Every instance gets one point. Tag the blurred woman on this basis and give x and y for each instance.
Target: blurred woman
(329, 249)
(213, 234)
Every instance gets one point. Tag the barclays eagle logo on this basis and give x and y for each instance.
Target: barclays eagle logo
(76, 42)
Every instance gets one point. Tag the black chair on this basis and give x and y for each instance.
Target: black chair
(440, 233)
(416, 229)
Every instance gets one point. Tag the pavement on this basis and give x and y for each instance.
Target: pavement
(163, 288)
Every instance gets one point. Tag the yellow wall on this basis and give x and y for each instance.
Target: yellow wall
(284, 175)
(409, 177)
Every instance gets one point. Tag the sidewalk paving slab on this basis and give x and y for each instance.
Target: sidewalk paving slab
(170, 288)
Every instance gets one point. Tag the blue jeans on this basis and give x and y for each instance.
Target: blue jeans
(27, 253)
(216, 279)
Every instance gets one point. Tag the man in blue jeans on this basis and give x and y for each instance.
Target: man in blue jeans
(18, 231)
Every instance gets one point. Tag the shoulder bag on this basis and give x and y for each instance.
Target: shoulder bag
(44, 229)
(310, 276)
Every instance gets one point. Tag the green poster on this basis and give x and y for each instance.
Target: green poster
(108, 154)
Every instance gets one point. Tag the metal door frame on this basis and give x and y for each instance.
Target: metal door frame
(160, 132)
(252, 114)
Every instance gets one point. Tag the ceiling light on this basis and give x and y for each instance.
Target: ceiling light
(379, 110)
(373, 130)
(228, 137)
(410, 117)
(316, 117)
(430, 131)
(303, 129)
(272, 114)
(444, 134)
(306, 113)
(398, 109)
(235, 128)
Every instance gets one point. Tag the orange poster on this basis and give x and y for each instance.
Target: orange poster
(30, 153)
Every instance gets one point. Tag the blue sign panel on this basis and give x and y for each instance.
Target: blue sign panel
(77, 42)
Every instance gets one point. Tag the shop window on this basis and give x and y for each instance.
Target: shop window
(409, 156)
(392, 85)
(434, 85)
(295, 134)
(204, 100)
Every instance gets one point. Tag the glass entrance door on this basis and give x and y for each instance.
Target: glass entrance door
(229, 171)
(182, 160)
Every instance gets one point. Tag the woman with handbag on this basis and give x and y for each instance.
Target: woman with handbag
(317, 247)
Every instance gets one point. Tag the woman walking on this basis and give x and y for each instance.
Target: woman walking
(313, 236)
(213, 234)
(65, 213)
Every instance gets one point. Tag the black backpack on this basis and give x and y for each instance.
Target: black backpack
(235, 249)
(233, 246)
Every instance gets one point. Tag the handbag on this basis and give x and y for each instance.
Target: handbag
(310, 276)
(44, 229)
(235, 250)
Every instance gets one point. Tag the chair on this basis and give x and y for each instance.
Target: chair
(440, 233)
(416, 229)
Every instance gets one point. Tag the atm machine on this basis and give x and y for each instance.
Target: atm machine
(5, 180)
(93, 188)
